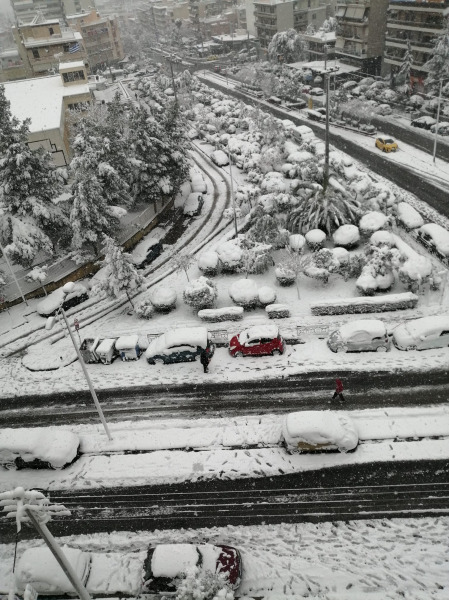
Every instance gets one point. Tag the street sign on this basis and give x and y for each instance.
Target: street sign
(77, 325)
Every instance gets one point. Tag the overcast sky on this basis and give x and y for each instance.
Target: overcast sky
(5, 8)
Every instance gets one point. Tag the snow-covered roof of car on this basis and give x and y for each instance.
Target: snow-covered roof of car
(56, 446)
(374, 327)
(54, 300)
(126, 342)
(270, 330)
(184, 336)
(39, 567)
(321, 427)
(170, 560)
(425, 325)
(438, 234)
(140, 251)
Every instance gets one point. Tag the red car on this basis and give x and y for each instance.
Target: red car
(167, 562)
(257, 341)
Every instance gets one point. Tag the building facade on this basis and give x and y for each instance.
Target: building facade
(43, 44)
(274, 16)
(361, 33)
(418, 22)
(101, 37)
(25, 10)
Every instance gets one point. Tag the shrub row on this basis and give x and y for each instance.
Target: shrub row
(365, 305)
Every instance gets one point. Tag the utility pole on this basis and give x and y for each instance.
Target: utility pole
(232, 194)
(169, 58)
(437, 123)
(326, 136)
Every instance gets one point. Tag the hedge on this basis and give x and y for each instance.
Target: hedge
(277, 311)
(214, 315)
(365, 305)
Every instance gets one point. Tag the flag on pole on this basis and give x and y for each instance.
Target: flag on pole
(74, 48)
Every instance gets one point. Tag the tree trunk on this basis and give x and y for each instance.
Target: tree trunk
(129, 299)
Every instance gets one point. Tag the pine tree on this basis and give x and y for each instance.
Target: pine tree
(31, 221)
(438, 64)
(404, 74)
(177, 144)
(90, 215)
(121, 276)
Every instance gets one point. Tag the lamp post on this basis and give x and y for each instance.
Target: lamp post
(438, 120)
(67, 288)
(33, 507)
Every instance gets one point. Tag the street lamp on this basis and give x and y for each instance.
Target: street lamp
(67, 289)
(35, 508)
(232, 193)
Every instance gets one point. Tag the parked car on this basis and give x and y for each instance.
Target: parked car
(317, 92)
(435, 238)
(319, 430)
(102, 574)
(443, 128)
(361, 335)
(166, 562)
(274, 100)
(257, 341)
(306, 89)
(193, 204)
(315, 115)
(386, 144)
(424, 122)
(422, 334)
(50, 304)
(296, 104)
(220, 158)
(38, 448)
(146, 251)
(179, 345)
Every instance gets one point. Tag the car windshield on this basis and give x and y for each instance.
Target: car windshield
(389, 141)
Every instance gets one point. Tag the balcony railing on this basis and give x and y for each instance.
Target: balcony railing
(348, 51)
(414, 43)
(417, 24)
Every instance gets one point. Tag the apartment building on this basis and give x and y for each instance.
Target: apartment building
(273, 16)
(320, 45)
(45, 101)
(43, 44)
(158, 17)
(11, 65)
(25, 10)
(361, 33)
(101, 37)
(417, 21)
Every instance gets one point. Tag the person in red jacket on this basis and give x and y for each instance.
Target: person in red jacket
(338, 391)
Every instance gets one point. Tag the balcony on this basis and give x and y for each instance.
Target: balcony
(402, 43)
(351, 51)
(420, 26)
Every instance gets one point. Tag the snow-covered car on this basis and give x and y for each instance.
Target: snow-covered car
(167, 562)
(50, 304)
(361, 335)
(197, 182)
(38, 448)
(146, 251)
(315, 115)
(179, 345)
(302, 133)
(193, 204)
(258, 340)
(422, 334)
(349, 85)
(435, 238)
(443, 128)
(220, 158)
(103, 574)
(424, 122)
(319, 430)
(316, 92)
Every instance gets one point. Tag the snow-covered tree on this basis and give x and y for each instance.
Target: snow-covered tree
(266, 229)
(438, 64)
(291, 265)
(38, 274)
(182, 262)
(329, 24)
(31, 220)
(404, 73)
(203, 585)
(121, 276)
(287, 46)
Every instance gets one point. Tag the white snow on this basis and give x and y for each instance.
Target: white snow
(220, 158)
(188, 336)
(244, 291)
(373, 327)
(315, 236)
(325, 428)
(372, 221)
(439, 235)
(409, 216)
(127, 342)
(170, 560)
(50, 444)
(267, 330)
(346, 235)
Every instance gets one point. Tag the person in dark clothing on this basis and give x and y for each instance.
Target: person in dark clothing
(338, 394)
(204, 358)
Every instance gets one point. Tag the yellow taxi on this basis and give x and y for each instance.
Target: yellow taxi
(386, 144)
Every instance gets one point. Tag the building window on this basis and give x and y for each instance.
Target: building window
(35, 53)
(66, 47)
(51, 30)
(73, 76)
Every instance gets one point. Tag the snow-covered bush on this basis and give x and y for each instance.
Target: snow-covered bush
(324, 263)
(285, 274)
(203, 585)
(266, 295)
(297, 242)
(208, 262)
(230, 255)
(408, 216)
(347, 236)
(372, 221)
(277, 311)
(144, 309)
(315, 239)
(382, 238)
(244, 292)
(215, 315)
(343, 306)
(341, 255)
(163, 299)
(200, 293)
(368, 283)
(265, 229)
(415, 271)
